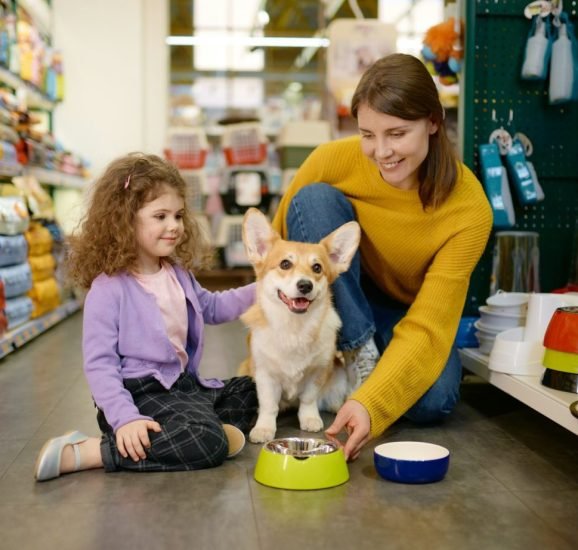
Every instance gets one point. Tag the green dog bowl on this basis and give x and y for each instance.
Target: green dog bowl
(561, 361)
(301, 464)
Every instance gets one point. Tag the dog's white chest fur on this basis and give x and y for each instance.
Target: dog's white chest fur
(294, 351)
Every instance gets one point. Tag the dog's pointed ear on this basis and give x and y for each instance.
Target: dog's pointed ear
(258, 235)
(342, 244)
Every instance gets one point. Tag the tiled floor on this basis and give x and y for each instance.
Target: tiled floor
(512, 483)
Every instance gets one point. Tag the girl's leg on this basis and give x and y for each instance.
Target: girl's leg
(315, 211)
(192, 435)
(237, 403)
(90, 456)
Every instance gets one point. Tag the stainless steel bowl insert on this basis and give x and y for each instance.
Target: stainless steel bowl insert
(301, 447)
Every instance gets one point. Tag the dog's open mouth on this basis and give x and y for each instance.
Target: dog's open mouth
(296, 305)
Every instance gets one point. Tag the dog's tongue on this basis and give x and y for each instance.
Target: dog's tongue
(296, 305)
(299, 304)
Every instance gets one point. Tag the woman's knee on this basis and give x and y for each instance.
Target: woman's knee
(318, 191)
(316, 210)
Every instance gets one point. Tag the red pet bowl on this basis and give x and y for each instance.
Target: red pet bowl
(562, 331)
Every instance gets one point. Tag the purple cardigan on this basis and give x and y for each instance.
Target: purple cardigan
(124, 336)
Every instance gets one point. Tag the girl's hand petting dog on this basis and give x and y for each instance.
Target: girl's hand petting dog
(354, 419)
(133, 438)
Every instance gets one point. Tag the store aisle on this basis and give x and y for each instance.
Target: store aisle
(512, 483)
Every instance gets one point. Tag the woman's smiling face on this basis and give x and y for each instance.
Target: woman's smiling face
(398, 147)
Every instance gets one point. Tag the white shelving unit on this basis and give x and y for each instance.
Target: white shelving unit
(34, 98)
(41, 14)
(529, 390)
(44, 176)
(57, 179)
(22, 334)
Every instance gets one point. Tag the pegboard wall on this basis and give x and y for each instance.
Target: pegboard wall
(493, 93)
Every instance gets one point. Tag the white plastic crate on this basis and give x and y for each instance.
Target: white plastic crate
(230, 239)
(229, 227)
(187, 147)
(244, 143)
(196, 181)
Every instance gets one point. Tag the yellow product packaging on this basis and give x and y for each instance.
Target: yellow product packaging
(45, 296)
(42, 267)
(39, 239)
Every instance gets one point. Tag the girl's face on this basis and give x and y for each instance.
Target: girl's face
(159, 229)
(397, 146)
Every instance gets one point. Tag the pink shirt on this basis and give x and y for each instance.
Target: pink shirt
(170, 297)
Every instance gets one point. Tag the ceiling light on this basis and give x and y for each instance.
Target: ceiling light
(249, 41)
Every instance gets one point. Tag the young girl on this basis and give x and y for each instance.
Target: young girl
(143, 333)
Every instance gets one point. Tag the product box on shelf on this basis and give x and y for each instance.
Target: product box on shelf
(297, 140)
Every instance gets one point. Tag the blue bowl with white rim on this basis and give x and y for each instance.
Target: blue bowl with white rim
(411, 461)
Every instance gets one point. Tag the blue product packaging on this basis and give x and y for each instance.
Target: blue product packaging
(495, 182)
(520, 174)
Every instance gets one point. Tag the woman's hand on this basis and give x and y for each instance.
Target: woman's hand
(354, 419)
(133, 438)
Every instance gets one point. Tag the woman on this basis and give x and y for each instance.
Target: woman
(425, 222)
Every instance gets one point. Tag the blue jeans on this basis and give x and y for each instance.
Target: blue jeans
(365, 311)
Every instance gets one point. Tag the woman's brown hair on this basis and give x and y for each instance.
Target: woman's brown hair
(400, 85)
(105, 240)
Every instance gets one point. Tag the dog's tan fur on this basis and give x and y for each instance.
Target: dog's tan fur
(293, 323)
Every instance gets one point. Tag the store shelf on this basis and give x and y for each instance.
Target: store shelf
(8, 170)
(34, 98)
(529, 390)
(59, 179)
(24, 333)
(224, 279)
(44, 176)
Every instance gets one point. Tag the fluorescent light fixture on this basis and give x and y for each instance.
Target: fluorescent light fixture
(248, 41)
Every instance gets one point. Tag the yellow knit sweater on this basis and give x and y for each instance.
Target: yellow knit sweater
(420, 258)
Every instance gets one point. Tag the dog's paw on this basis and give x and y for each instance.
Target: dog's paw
(311, 424)
(261, 435)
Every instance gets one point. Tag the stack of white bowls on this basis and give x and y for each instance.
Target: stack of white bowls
(503, 311)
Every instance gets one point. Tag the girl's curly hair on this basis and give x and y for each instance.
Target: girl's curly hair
(105, 240)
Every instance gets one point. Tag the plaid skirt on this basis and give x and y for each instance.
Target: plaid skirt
(191, 417)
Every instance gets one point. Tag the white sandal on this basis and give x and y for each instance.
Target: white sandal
(48, 461)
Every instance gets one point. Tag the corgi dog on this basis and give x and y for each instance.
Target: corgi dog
(293, 323)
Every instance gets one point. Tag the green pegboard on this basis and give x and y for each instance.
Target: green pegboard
(496, 33)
